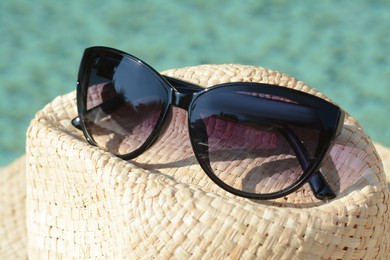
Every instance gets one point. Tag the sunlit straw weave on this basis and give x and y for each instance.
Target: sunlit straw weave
(83, 202)
(13, 237)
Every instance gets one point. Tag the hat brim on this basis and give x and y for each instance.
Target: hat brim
(13, 233)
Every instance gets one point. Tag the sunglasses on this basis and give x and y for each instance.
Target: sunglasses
(254, 140)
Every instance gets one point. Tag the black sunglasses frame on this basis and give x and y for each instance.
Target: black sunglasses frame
(183, 95)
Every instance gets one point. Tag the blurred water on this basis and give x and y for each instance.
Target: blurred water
(338, 47)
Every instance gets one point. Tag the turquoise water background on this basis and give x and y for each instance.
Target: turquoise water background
(339, 47)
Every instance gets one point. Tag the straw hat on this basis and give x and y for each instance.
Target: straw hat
(67, 199)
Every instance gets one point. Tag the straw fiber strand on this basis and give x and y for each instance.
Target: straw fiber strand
(84, 202)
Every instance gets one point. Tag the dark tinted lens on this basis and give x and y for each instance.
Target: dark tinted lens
(248, 140)
(124, 104)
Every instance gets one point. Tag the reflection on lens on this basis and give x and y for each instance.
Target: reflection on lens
(246, 148)
(124, 104)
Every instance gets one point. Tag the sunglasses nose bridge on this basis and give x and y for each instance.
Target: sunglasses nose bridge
(181, 100)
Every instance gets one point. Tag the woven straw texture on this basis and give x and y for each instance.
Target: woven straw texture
(13, 240)
(83, 202)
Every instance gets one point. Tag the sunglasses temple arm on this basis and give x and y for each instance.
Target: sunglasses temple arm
(317, 182)
(76, 123)
(320, 186)
(109, 105)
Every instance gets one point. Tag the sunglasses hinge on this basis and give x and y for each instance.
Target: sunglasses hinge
(181, 100)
